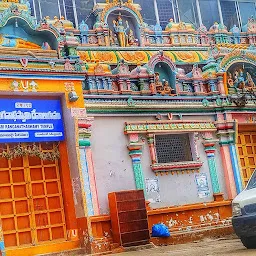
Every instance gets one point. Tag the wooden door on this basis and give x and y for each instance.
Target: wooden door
(247, 153)
(31, 204)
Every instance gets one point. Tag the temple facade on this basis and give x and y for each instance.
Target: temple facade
(116, 105)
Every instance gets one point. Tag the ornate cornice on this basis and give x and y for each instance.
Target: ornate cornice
(226, 131)
(168, 126)
(132, 55)
(177, 167)
(139, 104)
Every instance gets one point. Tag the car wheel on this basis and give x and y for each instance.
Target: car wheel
(249, 242)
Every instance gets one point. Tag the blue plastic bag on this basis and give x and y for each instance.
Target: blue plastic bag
(160, 230)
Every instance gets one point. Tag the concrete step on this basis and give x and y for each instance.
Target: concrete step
(75, 252)
(115, 248)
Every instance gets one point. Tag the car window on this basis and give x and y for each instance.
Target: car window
(252, 182)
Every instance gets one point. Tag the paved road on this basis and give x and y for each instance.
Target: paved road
(208, 247)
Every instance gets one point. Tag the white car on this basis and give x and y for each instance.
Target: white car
(244, 214)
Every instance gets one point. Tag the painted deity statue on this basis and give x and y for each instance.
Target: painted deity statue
(46, 46)
(158, 83)
(167, 89)
(131, 38)
(84, 30)
(16, 42)
(120, 30)
(230, 80)
(239, 81)
(113, 39)
(236, 34)
(163, 88)
(250, 82)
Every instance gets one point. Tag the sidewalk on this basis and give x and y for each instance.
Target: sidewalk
(227, 246)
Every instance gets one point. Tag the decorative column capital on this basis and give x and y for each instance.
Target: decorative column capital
(151, 139)
(210, 147)
(220, 80)
(84, 131)
(226, 131)
(135, 151)
(209, 144)
(151, 143)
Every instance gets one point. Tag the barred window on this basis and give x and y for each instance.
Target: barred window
(173, 148)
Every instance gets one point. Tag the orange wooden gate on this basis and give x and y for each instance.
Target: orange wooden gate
(247, 152)
(31, 204)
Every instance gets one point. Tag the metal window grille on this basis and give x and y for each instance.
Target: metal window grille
(173, 148)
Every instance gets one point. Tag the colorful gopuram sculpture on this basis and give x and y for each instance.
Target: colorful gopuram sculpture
(137, 81)
(121, 31)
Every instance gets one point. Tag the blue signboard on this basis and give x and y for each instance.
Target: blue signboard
(25, 120)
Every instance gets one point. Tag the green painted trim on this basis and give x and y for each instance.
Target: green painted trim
(210, 148)
(156, 110)
(134, 110)
(117, 56)
(139, 176)
(145, 48)
(90, 55)
(135, 152)
(224, 143)
(148, 55)
(214, 175)
(199, 56)
(174, 56)
(84, 143)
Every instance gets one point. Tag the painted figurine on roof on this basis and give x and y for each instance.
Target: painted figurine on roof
(121, 31)
(16, 42)
(241, 79)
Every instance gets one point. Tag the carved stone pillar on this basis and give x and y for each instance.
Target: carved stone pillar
(209, 147)
(226, 134)
(109, 84)
(212, 86)
(201, 86)
(88, 175)
(98, 83)
(151, 144)
(120, 85)
(106, 37)
(135, 152)
(221, 87)
(196, 87)
(100, 37)
(152, 85)
(250, 39)
(128, 82)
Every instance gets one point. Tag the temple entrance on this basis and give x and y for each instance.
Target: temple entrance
(31, 203)
(247, 152)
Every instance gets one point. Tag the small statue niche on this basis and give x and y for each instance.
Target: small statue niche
(240, 80)
(113, 39)
(123, 34)
(163, 87)
(132, 41)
